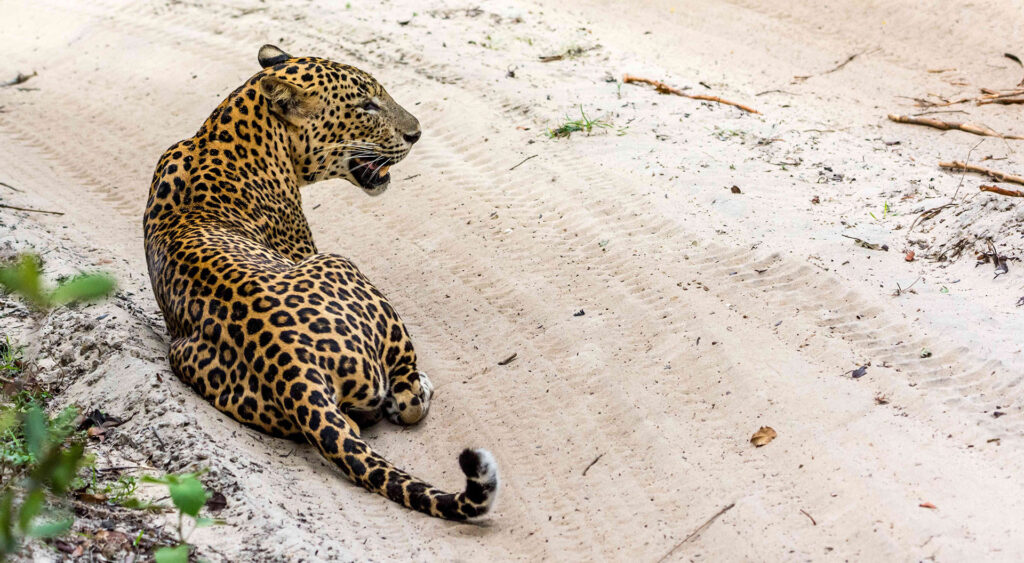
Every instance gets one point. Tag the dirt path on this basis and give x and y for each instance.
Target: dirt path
(706, 314)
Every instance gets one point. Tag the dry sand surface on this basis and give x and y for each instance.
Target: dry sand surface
(707, 313)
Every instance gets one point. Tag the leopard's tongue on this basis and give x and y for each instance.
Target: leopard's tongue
(384, 171)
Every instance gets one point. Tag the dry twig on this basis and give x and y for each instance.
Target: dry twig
(568, 54)
(809, 516)
(16, 208)
(1001, 176)
(663, 88)
(20, 79)
(830, 71)
(946, 125)
(592, 463)
(697, 532)
(1001, 191)
(523, 161)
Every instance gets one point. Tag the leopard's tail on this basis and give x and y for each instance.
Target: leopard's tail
(338, 440)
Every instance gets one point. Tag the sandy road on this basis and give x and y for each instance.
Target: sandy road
(703, 318)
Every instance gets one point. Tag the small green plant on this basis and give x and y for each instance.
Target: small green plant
(120, 492)
(52, 458)
(16, 455)
(25, 278)
(886, 212)
(582, 125)
(188, 496)
(10, 358)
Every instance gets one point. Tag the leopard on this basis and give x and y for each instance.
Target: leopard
(284, 339)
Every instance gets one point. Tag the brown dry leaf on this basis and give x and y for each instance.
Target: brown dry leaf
(112, 543)
(928, 505)
(763, 436)
(90, 497)
(97, 432)
(217, 502)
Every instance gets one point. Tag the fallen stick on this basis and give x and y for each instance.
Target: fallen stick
(946, 125)
(663, 88)
(1001, 191)
(1001, 176)
(697, 532)
(592, 463)
(569, 54)
(523, 161)
(995, 94)
(1004, 101)
(833, 69)
(804, 511)
(16, 208)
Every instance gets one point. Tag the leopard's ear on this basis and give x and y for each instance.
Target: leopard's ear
(270, 55)
(289, 101)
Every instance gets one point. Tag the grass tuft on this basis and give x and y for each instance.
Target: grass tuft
(582, 125)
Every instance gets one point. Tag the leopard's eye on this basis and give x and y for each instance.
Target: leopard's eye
(369, 105)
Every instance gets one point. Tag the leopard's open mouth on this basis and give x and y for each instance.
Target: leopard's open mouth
(370, 173)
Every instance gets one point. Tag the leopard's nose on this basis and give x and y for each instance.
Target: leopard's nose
(412, 137)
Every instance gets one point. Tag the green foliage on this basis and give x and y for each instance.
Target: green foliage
(25, 430)
(584, 125)
(47, 464)
(177, 554)
(189, 496)
(10, 358)
(120, 492)
(886, 212)
(25, 278)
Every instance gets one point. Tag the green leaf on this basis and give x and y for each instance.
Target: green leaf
(51, 529)
(35, 430)
(87, 287)
(30, 508)
(24, 278)
(8, 544)
(8, 419)
(188, 495)
(172, 554)
(165, 480)
(66, 468)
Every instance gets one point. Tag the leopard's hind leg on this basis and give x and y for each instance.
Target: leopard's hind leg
(408, 399)
(217, 373)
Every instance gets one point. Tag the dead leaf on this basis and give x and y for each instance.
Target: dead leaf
(95, 498)
(63, 546)
(20, 79)
(97, 432)
(859, 372)
(764, 435)
(217, 502)
(100, 419)
(868, 245)
(735, 190)
(112, 543)
(815, 200)
(928, 505)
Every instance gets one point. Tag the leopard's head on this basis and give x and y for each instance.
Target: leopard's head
(341, 121)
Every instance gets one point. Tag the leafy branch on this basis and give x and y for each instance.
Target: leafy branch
(25, 278)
